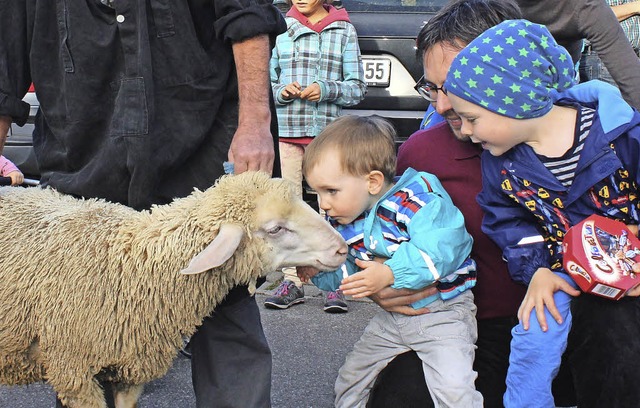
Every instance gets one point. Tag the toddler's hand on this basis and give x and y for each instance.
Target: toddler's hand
(311, 93)
(17, 178)
(540, 295)
(373, 277)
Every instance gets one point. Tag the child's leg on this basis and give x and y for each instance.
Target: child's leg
(604, 351)
(377, 346)
(536, 355)
(291, 169)
(291, 164)
(445, 342)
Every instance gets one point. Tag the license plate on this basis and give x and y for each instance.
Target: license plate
(376, 71)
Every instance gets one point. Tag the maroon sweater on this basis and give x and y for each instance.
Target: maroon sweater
(457, 165)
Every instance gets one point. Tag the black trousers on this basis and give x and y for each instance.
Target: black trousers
(231, 360)
(604, 351)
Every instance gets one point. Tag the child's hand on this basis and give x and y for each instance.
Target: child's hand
(16, 178)
(306, 272)
(633, 228)
(540, 295)
(291, 91)
(311, 93)
(373, 277)
(635, 291)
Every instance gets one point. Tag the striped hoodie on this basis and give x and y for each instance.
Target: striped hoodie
(416, 225)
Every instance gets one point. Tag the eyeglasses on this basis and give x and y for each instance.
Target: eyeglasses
(428, 90)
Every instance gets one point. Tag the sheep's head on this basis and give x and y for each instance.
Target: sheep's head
(261, 208)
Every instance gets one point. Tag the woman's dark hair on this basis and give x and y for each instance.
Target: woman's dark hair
(461, 21)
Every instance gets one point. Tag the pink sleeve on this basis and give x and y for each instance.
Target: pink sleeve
(6, 166)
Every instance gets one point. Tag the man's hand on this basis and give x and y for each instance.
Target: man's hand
(252, 146)
(399, 300)
(373, 277)
(306, 272)
(540, 295)
(5, 124)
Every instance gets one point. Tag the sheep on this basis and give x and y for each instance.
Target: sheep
(91, 289)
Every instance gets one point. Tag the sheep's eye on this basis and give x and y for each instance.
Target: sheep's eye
(274, 230)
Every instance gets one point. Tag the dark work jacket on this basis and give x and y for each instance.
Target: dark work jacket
(457, 166)
(138, 104)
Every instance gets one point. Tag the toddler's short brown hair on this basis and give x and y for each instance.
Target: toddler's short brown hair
(365, 143)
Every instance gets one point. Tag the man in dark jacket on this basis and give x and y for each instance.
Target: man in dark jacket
(140, 102)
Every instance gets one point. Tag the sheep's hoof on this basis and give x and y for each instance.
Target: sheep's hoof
(185, 350)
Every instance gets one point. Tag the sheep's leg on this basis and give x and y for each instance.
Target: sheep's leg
(126, 396)
(89, 395)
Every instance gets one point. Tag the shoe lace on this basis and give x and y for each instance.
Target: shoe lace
(334, 295)
(283, 289)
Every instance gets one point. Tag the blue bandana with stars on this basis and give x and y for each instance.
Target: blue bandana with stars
(512, 69)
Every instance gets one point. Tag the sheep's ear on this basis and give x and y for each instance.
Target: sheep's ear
(218, 251)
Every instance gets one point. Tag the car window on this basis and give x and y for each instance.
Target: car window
(408, 6)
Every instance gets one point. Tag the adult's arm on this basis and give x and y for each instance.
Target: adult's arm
(252, 145)
(600, 26)
(248, 25)
(5, 122)
(14, 61)
(400, 300)
(626, 10)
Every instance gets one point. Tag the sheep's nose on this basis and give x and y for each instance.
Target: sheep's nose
(343, 249)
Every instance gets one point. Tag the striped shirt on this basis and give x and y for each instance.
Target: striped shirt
(436, 250)
(564, 168)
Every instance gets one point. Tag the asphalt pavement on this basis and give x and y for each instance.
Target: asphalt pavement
(308, 347)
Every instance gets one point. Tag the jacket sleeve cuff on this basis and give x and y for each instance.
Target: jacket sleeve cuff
(524, 261)
(14, 107)
(327, 281)
(250, 22)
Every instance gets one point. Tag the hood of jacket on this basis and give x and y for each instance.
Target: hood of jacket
(334, 15)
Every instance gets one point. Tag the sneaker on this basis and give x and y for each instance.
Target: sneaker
(286, 295)
(334, 302)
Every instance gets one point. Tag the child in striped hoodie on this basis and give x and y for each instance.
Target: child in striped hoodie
(403, 232)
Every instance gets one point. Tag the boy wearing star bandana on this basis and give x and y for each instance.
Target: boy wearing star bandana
(556, 153)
